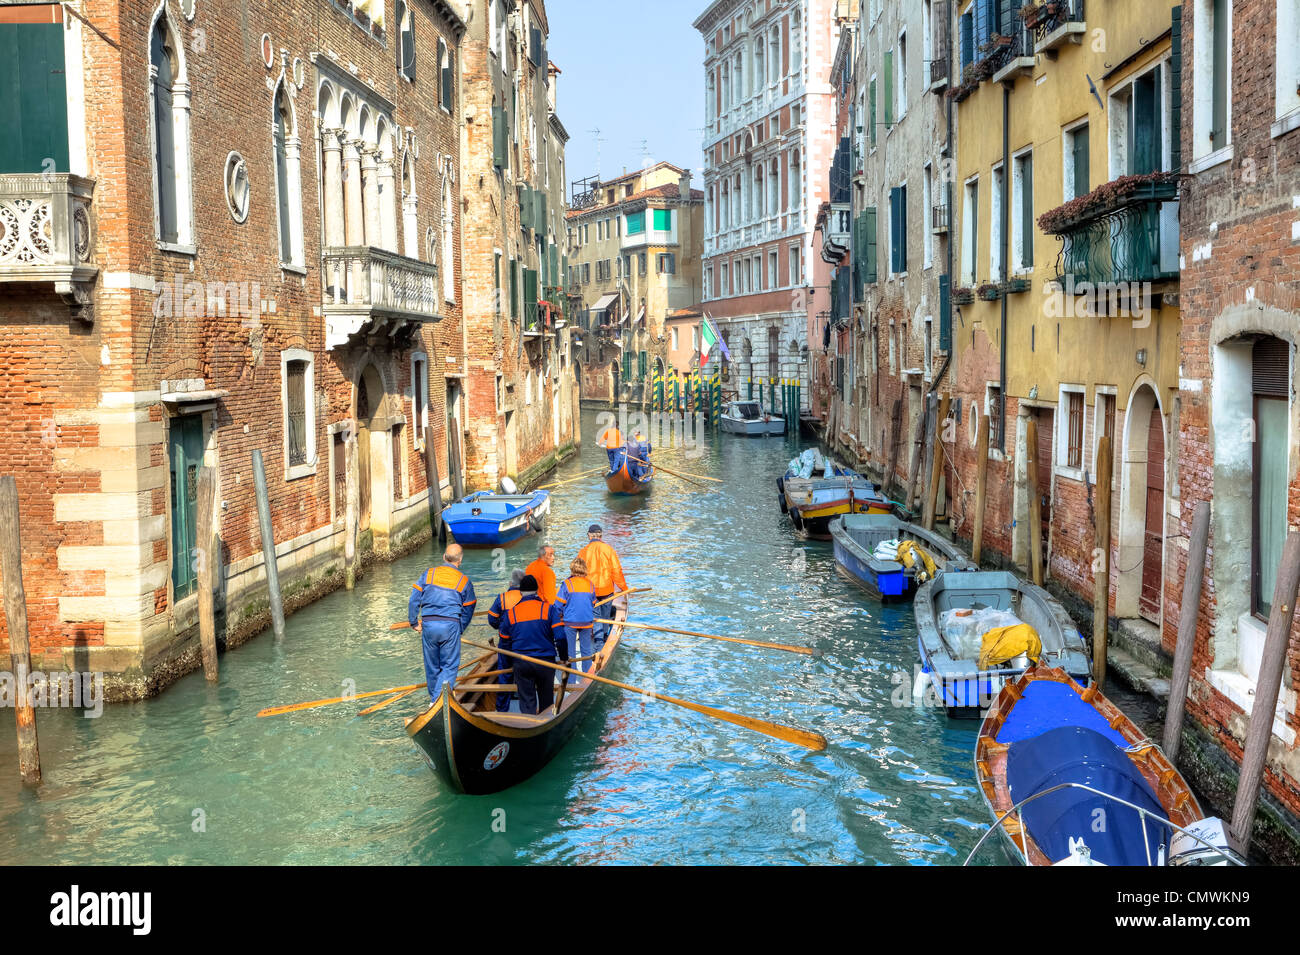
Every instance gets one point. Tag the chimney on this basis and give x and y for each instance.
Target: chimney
(684, 184)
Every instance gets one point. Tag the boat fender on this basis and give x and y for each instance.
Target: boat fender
(780, 494)
(535, 522)
(918, 688)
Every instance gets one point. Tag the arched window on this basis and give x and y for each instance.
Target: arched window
(410, 209)
(796, 44)
(406, 40)
(774, 54)
(448, 238)
(287, 179)
(171, 136)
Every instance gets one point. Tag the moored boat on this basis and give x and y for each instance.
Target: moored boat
(748, 418)
(489, 519)
(1053, 757)
(477, 750)
(972, 637)
(889, 556)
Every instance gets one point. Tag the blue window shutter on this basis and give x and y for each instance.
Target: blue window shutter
(945, 314)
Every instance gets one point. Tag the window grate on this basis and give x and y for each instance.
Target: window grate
(297, 412)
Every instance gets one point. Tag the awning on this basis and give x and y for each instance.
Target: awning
(604, 302)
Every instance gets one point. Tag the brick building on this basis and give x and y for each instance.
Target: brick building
(222, 228)
(1239, 431)
(634, 246)
(769, 112)
(519, 385)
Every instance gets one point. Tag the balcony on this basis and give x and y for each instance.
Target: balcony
(1013, 55)
(1056, 23)
(47, 234)
(1123, 231)
(938, 70)
(939, 218)
(836, 232)
(368, 290)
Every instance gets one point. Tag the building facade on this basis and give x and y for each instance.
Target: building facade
(769, 109)
(520, 386)
(223, 231)
(634, 259)
(1239, 448)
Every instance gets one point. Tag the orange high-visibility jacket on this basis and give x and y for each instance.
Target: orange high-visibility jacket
(604, 569)
(612, 438)
(541, 570)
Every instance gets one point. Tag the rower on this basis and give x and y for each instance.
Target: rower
(606, 574)
(441, 607)
(577, 613)
(541, 569)
(531, 626)
(501, 605)
(612, 441)
(638, 447)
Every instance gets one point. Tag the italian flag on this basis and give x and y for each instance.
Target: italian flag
(708, 338)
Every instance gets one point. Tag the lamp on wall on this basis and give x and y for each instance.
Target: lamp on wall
(1142, 357)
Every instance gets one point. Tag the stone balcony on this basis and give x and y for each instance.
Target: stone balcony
(369, 290)
(47, 234)
(1120, 235)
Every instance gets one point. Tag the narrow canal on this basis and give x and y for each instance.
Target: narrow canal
(194, 777)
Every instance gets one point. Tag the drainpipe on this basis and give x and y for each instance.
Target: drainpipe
(1006, 251)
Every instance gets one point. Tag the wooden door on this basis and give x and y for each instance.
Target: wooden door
(1154, 542)
(1046, 419)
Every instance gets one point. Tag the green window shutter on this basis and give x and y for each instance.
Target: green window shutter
(499, 137)
(514, 289)
(539, 222)
(1219, 57)
(530, 297)
(642, 364)
(1081, 171)
(1027, 212)
(636, 222)
(945, 314)
(871, 118)
(895, 230)
(902, 228)
(967, 40)
(889, 88)
(553, 264)
(868, 245)
(1175, 90)
(663, 220)
(34, 107)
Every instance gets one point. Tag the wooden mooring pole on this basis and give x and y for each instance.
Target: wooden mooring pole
(918, 451)
(1101, 562)
(1188, 617)
(1272, 663)
(207, 561)
(1035, 503)
(936, 461)
(15, 601)
(352, 504)
(268, 544)
(435, 485)
(895, 446)
(981, 487)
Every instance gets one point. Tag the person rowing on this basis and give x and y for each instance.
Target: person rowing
(576, 600)
(605, 571)
(441, 607)
(502, 605)
(612, 441)
(534, 629)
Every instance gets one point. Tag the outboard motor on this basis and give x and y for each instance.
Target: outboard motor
(1186, 850)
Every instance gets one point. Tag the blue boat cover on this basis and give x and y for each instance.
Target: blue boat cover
(1046, 705)
(1073, 754)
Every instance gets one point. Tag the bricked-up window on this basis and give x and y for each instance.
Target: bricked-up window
(171, 123)
(296, 412)
(406, 40)
(1074, 431)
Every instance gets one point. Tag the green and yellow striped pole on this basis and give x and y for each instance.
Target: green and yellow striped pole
(750, 382)
(771, 392)
(717, 396)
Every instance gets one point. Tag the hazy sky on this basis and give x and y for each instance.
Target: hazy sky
(635, 70)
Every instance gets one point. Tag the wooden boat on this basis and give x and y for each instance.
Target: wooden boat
(859, 538)
(748, 418)
(623, 481)
(477, 750)
(1046, 731)
(812, 504)
(950, 642)
(489, 519)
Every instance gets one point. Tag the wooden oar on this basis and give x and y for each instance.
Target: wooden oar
(622, 593)
(791, 734)
(400, 690)
(672, 472)
(806, 651)
(576, 477)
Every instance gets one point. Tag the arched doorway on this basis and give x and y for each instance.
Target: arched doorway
(1140, 562)
(370, 425)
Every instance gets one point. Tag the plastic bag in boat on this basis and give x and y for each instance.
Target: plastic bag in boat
(964, 628)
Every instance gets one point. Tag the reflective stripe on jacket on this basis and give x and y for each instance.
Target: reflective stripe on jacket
(532, 627)
(499, 606)
(576, 598)
(442, 592)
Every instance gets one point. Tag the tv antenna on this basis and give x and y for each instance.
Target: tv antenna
(595, 131)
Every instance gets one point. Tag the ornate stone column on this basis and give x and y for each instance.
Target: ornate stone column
(370, 197)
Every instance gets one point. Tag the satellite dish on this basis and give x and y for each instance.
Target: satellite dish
(508, 485)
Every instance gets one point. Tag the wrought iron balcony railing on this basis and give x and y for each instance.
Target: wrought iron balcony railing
(1133, 238)
(364, 285)
(47, 232)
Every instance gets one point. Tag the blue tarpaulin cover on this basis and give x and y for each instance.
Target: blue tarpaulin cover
(1046, 705)
(1074, 754)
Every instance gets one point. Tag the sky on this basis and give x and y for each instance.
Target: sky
(635, 70)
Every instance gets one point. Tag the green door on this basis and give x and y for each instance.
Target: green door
(185, 451)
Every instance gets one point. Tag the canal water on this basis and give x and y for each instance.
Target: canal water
(194, 776)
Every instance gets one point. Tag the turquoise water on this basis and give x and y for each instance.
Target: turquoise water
(194, 777)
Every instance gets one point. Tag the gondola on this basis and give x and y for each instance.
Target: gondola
(1047, 737)
(623, 481)
(477, 750)
(866, 551)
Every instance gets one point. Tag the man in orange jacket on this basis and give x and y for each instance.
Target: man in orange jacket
(541, 569)
(605, 572)
(612, 441)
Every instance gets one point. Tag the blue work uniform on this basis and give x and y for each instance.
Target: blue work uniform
(576, 599)
(442, 603)
(532, 627)
(501, 606)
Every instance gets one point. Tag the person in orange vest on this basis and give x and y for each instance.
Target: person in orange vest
(533, 628)
(441, 607)
(541, 569)
(612, 441)
(500, 607)
(576, 613)
(606, 574)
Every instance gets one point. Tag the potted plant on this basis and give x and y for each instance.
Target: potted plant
(1019, 284)
(1033, 14)
(989, 292)
(964, 295)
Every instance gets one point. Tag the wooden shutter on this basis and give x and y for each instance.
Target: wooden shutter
(447, 73)
(499, 137)
(1027, 211)
(869, 245)
(530, 297)
(945, 313)
(902, 228)
(967, 40)
(895, 231)
(1081, 171)
(871, 120)
(1175, 89)
(34, 107)
(889, 88)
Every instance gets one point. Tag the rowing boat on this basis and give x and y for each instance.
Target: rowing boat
(1061, 768)
(867, 549)
(489, 519)
(477, 750)
(623, 481)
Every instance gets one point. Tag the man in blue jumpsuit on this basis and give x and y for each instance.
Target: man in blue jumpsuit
(441, 606)
(534, 628)
(496, 615)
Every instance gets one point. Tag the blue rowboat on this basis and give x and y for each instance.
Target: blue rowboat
(859, 538)
(956, 609)
(489, 519)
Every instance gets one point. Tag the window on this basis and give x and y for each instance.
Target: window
(773, 280)
(1212, 82)
(171, 138)
(1138, 138)
(448, 242)
(900, 82)
(1075, 174)
(695, 337)
(725, 288)
(871, 111)
(796, 266)
(288, 184)
(1103, 425)
(641, 264)
(405, 41)
(929, 346)
(666, 263)
(898, 230)
(970, 232)
(663, 220)
(995, 226)
(1287, 62)
(298, 400)
(420, 396)
(1070, 451)
(1271, 379)
(1022, 219)
(676, 343)
(448, 70)
(993, 408)
(927, 200)
(636, 222)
